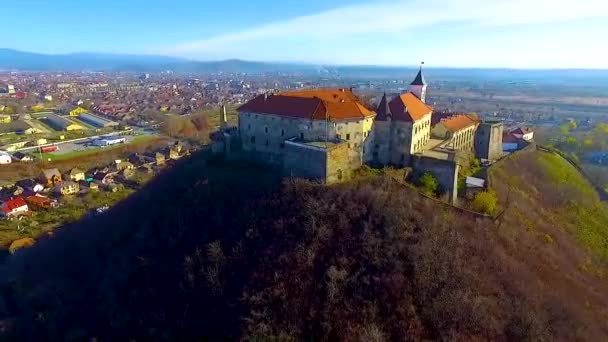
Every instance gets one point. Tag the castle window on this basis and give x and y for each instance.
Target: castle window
(266, 142)
(347, 136)
(249, 127)
(302, 136)
(282, 145)
(266, 130)
(282, 132)
(338, 136)
(253, 140)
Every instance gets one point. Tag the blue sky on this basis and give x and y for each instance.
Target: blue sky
(458, 33)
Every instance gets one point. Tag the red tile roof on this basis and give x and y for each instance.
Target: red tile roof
(13, 204)
(315, 104)
(458, 122)
(509, 138)
(522, 130)
(408, 107)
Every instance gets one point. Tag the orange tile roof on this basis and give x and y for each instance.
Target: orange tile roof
(408, 107)
(458, 122)
(315, 104)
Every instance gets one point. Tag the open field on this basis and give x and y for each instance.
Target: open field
(213, 116)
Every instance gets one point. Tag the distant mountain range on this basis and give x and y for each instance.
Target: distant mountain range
(28, 61)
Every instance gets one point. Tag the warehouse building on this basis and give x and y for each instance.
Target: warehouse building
(59, 123)
(96, 121)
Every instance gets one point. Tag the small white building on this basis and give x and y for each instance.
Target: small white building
(5, 158)
(523, 133)
(108, 141)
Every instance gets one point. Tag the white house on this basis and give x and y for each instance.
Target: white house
(523, 133)
(5, 158)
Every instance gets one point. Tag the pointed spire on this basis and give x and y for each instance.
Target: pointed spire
(419, 80)
(384, 111)
(223, 117)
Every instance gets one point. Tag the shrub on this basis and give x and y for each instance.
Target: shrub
(485, 202)
(429, 183)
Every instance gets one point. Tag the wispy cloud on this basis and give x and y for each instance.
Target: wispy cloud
(395, 17)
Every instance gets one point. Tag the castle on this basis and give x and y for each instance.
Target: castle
(326, 134)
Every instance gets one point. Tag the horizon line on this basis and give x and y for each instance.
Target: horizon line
(311, 64)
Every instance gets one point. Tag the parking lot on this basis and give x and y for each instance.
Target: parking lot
(87, 143)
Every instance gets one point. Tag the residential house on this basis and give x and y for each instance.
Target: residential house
(122, 165)
(13, 207)
(30, 185)
(22, 157)
(5, 158)
(5, 118)
(509, 142)
(42, 202)
(67, 188)
(50, 177)
(76, 175)
(137, 159)
(104, 178)
(523, 133)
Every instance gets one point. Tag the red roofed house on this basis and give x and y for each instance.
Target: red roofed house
(13, 207)
(510, 143)
(523, 133)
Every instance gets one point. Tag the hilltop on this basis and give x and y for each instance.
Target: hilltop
(210, 249)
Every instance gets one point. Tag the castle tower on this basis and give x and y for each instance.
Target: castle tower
(418, 86)
(223, 118)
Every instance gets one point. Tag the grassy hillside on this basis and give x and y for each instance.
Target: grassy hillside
(544, 191)
(224, 250)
